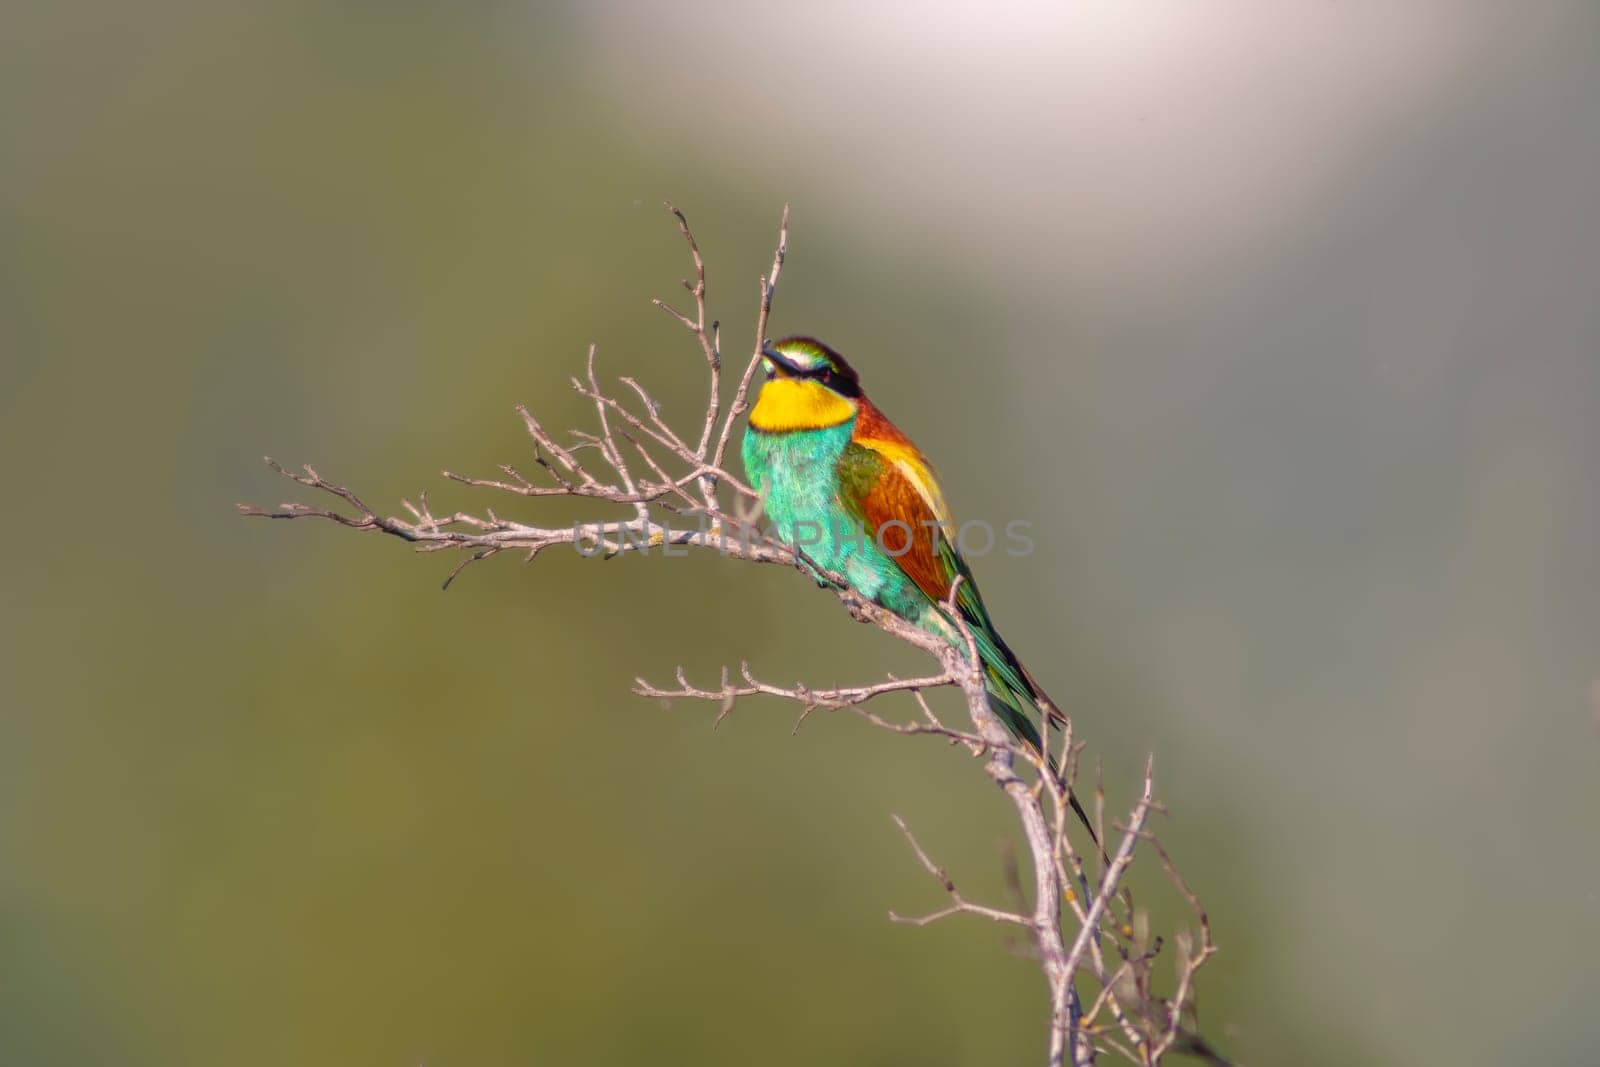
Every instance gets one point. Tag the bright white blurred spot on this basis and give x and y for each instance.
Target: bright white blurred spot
(1130, 136)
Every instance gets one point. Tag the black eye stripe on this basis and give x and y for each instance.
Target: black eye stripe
(840, 384)
(825, 374)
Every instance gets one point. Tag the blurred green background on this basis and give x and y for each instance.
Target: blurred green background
(1278, 322)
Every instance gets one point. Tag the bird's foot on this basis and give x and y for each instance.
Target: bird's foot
(855, 606)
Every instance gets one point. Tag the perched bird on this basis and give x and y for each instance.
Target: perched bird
(858, 499)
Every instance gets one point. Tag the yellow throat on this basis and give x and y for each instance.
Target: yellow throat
(794, 404)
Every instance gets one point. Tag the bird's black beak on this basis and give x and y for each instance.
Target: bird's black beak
(780, 361)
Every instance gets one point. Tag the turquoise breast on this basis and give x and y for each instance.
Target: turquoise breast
(798, 472)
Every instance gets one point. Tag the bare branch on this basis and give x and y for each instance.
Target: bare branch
(959, 905)
(853, 698)
(769, 285)
(657, 491)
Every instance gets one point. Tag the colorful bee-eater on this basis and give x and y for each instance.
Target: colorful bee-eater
(860, 501)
